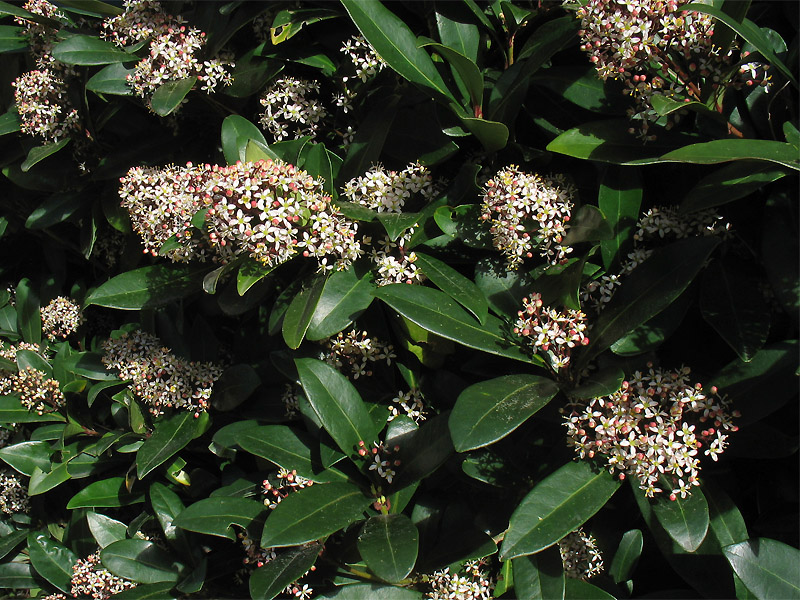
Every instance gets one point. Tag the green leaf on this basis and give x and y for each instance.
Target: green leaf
(540, 576)
(10, 122)
(503, 288)
(767, 567)
(337, 403)
(620, 198)
(250, 273)
(148, 287)
(39, 153)
(105, 530)
(171, 435)
(655, 331)
(151, 591)
(25, 456)
(730, 183)
(251, 74)
(11, 411)
(9, 541)
(577, 589)
(42, 481)
(460, 36)
(733, 305)
(318, 164)
(719, 151)
(215, 515)
(389, 545)
(493, 135)
(56, 209)
(581, 86)
(313, 513)
(726, 521)
(234, 129)
(434, 311)
(29, 359)
(684, 519)
(466, 68)
(588, 225)
(139, 560)
(270, 580)
(17, 575)
(12, 38)
(365, 149)
(488, 411)
(88, 50)
(92, 8)
(29, 319)
(627, 556)
(557, 505)
(89, 365)
(397, 45)
(368, 591)
(396, 224)
(237, 384)
(52, 560)
(423, 451)
(345, 296)
(648, 290)
(109, 492)
(169, 95)
(455, 285)
(300, 312)
(600, 383)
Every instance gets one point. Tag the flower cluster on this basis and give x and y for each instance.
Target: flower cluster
(161, 379)
(36, 391)
(10, 352)
(363, 56)
(473, 584)
(388, 191)
(13, 493)
(657, 49)
(173, 48)
(43, 36)
(394, 263)
(356, 350)
(291, 401)
(599, 292)
(654, 428)
(409, 403)
(290, 108)
(580, 556)
(553, 332)
(278, 486)
(269, 210)
(254, 554)
(43, 106)
(89, 578)
(528, 212)
(378, 458)
(60, 318)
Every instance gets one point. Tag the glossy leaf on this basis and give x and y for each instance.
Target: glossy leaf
(455, 285)
(627, 556)
(504, 289)
(112, 79)
(684, 519)
(557, 505)
(726, 521)
(9, 541)
(620, 198)
(300, 312)
(10, 122)
(88, 50)
(389, 545)
(588, 225)
(28, 318)
(25, 456)
(148, 287)
(366, 591)
(581, 86)
(52, 560)
(466, 68)
(730, 183)
(369, 139)
(44, 481)
(171, 434)
(460, 36)
(423, 451)
(11, 411)
(109, 492)
(149, 591)
(105, 530)
(344, 297)
(577, 589)
(170, 94)
(235, 128)
(139, 560)
(250, 273)
(337, 404)
(237, 384)
(270, 580)
(488, 411)
(313, 513)
(17, 575)
(38, 153)
(767, 567)
(600, 383)
(539, 576)
(719, 151)
(215, 515)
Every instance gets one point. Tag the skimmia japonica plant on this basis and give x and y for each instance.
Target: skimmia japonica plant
(408, 300)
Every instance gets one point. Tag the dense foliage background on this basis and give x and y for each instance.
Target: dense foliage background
(442, 299)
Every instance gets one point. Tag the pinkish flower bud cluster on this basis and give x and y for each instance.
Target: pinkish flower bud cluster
(268, 210)
(43, 36)
(255, 555)
(388, 191)
(550, 331)
(395, 264)
(580, 556)
(291, 110)
(44, 107)
(13, 493)
(279, 485)
(379, 459)
(656, 49)
(410, 404)
(89, 578)
(654, 428)
(363, 56)
(160, 379)
(355, 351)
(473, 584)
(528, 212)
(174, 48)
(36, 391)
(61, 318)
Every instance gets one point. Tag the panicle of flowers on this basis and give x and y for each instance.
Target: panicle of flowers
(388, 191)
(43, 36)
(44, 107)
(666, 222)
(355, 351)
(9, 352)
(474, 584)
(255, 555)
(656, 48)
(654, 428)
(13, 493)
(379, 458)
(598, 293)
(61, 318)
(89, 578)
(269, 210)
(279, 485)
(291, 110)
(528, 212)
(363, 56)
(36, 391)
(580, 555)
(395, 264)
(161, 379)
(410, 404)
(553, 332)
(139, 21)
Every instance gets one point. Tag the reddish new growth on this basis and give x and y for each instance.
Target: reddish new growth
(550, 331)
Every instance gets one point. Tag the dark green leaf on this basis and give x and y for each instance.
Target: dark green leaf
(767, 567)
(655, 331)
(318, 164)
(12, 38)
(488, 411)
(148, 287)
(493, 135)
(169, 95)
(627, 556)
(171, 435)
(9, 541)
(599, 383)
(466, 68)
(581, 86)
(29, 359)
(300, 312)
(87, 50)
(423, 451)
(726, 521)
(368, 591)
(344, 297)
(455, 285)
(105, 530)
(112, 79)
(235, 128)
(236, 385)
(23, 457)
(389, 545)
(17, 575)
(28, 317)
(620, 198)
(396, 224)
(539, 577)
(684, 519)
(55, 209)
(139, 560)
(105, 493)
(365, 149)
(557, 505)
(10, 122)
(577, 589)
(460, 36)
(42, 482)
(11, 411)
(313, 513)
(250, 273)
(151, 591)
(215, 515)
(719, 151)
(503, 288)
(89, 365)
(730, 183)
(588, 225)
(38, 153)
(52, 560)
(268, 581)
